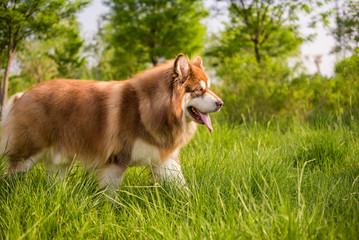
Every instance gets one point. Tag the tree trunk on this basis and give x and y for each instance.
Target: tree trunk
(1, 58)
(154, 61)
(6, 78)
(256, 50)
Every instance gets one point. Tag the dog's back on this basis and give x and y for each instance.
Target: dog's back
(70, 115)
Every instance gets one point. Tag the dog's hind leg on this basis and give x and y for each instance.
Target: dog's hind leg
(21, 157)
(20, 165)
(20, 148)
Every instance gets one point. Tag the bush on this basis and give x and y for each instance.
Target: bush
(253, 90)
(266, 90)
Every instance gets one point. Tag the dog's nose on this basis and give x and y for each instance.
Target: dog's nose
(219, 103)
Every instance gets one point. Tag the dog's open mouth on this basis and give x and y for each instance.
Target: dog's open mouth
(201, 118)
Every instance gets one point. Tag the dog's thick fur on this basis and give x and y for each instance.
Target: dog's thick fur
(110, 126)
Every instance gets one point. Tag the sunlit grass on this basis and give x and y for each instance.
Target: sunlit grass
(248, 181)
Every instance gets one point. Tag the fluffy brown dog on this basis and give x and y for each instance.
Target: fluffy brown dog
(111, 126)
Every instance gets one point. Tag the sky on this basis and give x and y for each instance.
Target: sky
(90, 16)
(322, 44)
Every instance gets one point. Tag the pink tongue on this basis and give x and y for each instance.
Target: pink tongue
(206, 120)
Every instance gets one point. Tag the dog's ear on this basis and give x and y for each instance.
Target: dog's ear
(197, 62)
(182, 67)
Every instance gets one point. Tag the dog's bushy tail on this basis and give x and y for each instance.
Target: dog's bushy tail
(9, 104)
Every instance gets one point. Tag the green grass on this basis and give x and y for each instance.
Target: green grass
(248, 181)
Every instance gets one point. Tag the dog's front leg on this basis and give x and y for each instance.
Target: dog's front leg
(111, 175)
(170, 170)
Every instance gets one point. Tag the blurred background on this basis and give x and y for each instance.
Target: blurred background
(266, 58)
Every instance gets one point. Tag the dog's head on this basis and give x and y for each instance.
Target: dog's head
(198, 99)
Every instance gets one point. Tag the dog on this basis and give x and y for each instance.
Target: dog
(110, 126)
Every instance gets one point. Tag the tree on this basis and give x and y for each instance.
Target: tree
(346, 32)
(35, 62)
(146, 32)
(267, 27)
(65, 50)
(44, 59)
(20, 20)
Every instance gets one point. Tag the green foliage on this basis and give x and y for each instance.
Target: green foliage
(346, 32)
(21, 20)
(270, 89)
(251, 61)
(250, 58)
(35, 64)
(45, 59)
(256, 82)
(347, 83)
(20, 83)
(303, 97)
(253, 90)
(348, 68)
(49, 58)
(243, 183)
(266, 28)
(34, 18)
(141, 33)
(66, 50)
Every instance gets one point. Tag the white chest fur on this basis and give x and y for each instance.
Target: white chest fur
(144, 154)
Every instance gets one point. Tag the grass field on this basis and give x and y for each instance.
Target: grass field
(248, 181)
